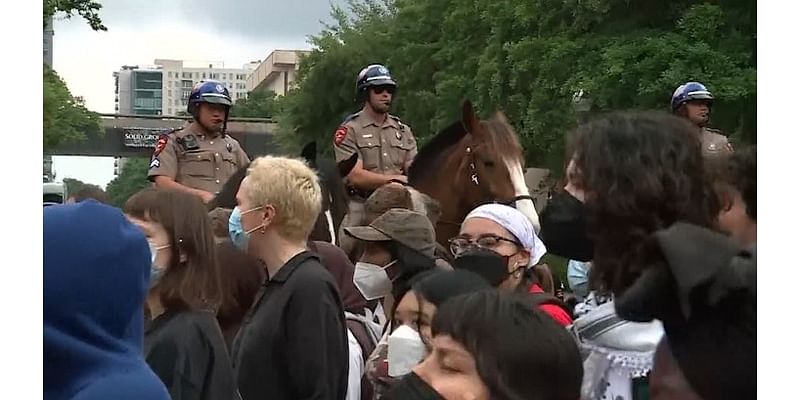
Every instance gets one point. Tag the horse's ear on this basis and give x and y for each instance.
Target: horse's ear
(468, 117)
(309, 152)
(345, 166)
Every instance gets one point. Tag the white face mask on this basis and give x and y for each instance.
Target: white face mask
(406, 350)
(372, 281)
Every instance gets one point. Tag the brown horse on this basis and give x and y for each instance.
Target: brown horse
(469, 163)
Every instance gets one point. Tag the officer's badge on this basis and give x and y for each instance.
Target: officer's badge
(339, 135)
(397, 135)
(161, 144)
(712, 147)
(155, 163)
(383, 70)
(229, 147)
(220, 89)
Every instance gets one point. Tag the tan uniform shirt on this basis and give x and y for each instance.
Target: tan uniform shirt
(196, 161)
(714, 142)
(384, 149)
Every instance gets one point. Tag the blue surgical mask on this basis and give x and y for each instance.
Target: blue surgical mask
(155, 272)
(238, 236)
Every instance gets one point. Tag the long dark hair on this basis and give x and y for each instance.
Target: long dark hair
(641, 172)
(194, 283)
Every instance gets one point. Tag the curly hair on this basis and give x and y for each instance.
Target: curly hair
(641, 172)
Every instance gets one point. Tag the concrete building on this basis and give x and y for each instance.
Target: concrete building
(48, 43)
(138, 91)
(277, 72)
(179, 77)
(164, 88)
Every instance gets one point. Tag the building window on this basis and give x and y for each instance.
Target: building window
(169, 111)
(214, 75)
(196, 75)
(204, 75)
(169, 74)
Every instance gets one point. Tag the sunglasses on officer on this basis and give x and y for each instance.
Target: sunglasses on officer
(384, 88)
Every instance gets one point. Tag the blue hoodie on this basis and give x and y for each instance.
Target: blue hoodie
(96, 273)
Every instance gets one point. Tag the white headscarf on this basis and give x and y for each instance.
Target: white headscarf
(515, 222)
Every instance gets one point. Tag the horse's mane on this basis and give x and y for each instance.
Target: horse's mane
(430, 156)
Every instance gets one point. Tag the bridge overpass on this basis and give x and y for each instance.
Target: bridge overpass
(136, 135)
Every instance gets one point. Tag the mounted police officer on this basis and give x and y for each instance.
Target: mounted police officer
(693, 101)
(199, 158)
(385, 145)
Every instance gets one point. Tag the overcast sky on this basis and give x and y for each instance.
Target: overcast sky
(234, 32)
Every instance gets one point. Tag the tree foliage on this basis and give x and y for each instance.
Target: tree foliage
(528, 59)
(258, 104)
(86, 9)
(130, 180)
(65, 118)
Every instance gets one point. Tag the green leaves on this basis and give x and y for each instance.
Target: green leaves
(65, 118)
(130, 180)
(258, 104)
(86, 9)
(528, 58)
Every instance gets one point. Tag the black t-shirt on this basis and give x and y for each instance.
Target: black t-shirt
(293, 341)
(187, 351)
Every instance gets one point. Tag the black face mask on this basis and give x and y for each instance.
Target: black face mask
(412, 387)
(564, 228)
(487, 263)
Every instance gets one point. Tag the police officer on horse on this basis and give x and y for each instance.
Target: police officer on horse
(384, 144)
(199, 158)
(693, 101)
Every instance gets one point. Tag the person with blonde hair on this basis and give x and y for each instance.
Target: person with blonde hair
(293, 342)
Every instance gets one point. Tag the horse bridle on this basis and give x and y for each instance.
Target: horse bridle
(473, 177)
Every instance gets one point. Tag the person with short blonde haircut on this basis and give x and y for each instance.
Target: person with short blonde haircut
(293, 342)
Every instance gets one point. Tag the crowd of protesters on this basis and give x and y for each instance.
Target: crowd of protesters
(164, 299)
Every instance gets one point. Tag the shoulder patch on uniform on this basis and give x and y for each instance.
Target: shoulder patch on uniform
(155, 163)
(339, 135)
(161, 144)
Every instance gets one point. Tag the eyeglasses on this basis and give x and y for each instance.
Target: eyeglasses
(381, 89)
(460, 244)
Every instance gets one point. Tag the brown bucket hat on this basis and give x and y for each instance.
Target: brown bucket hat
(384, 198)
(409, 228)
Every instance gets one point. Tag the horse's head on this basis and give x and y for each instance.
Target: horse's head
(493, 156)
(469, 163)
